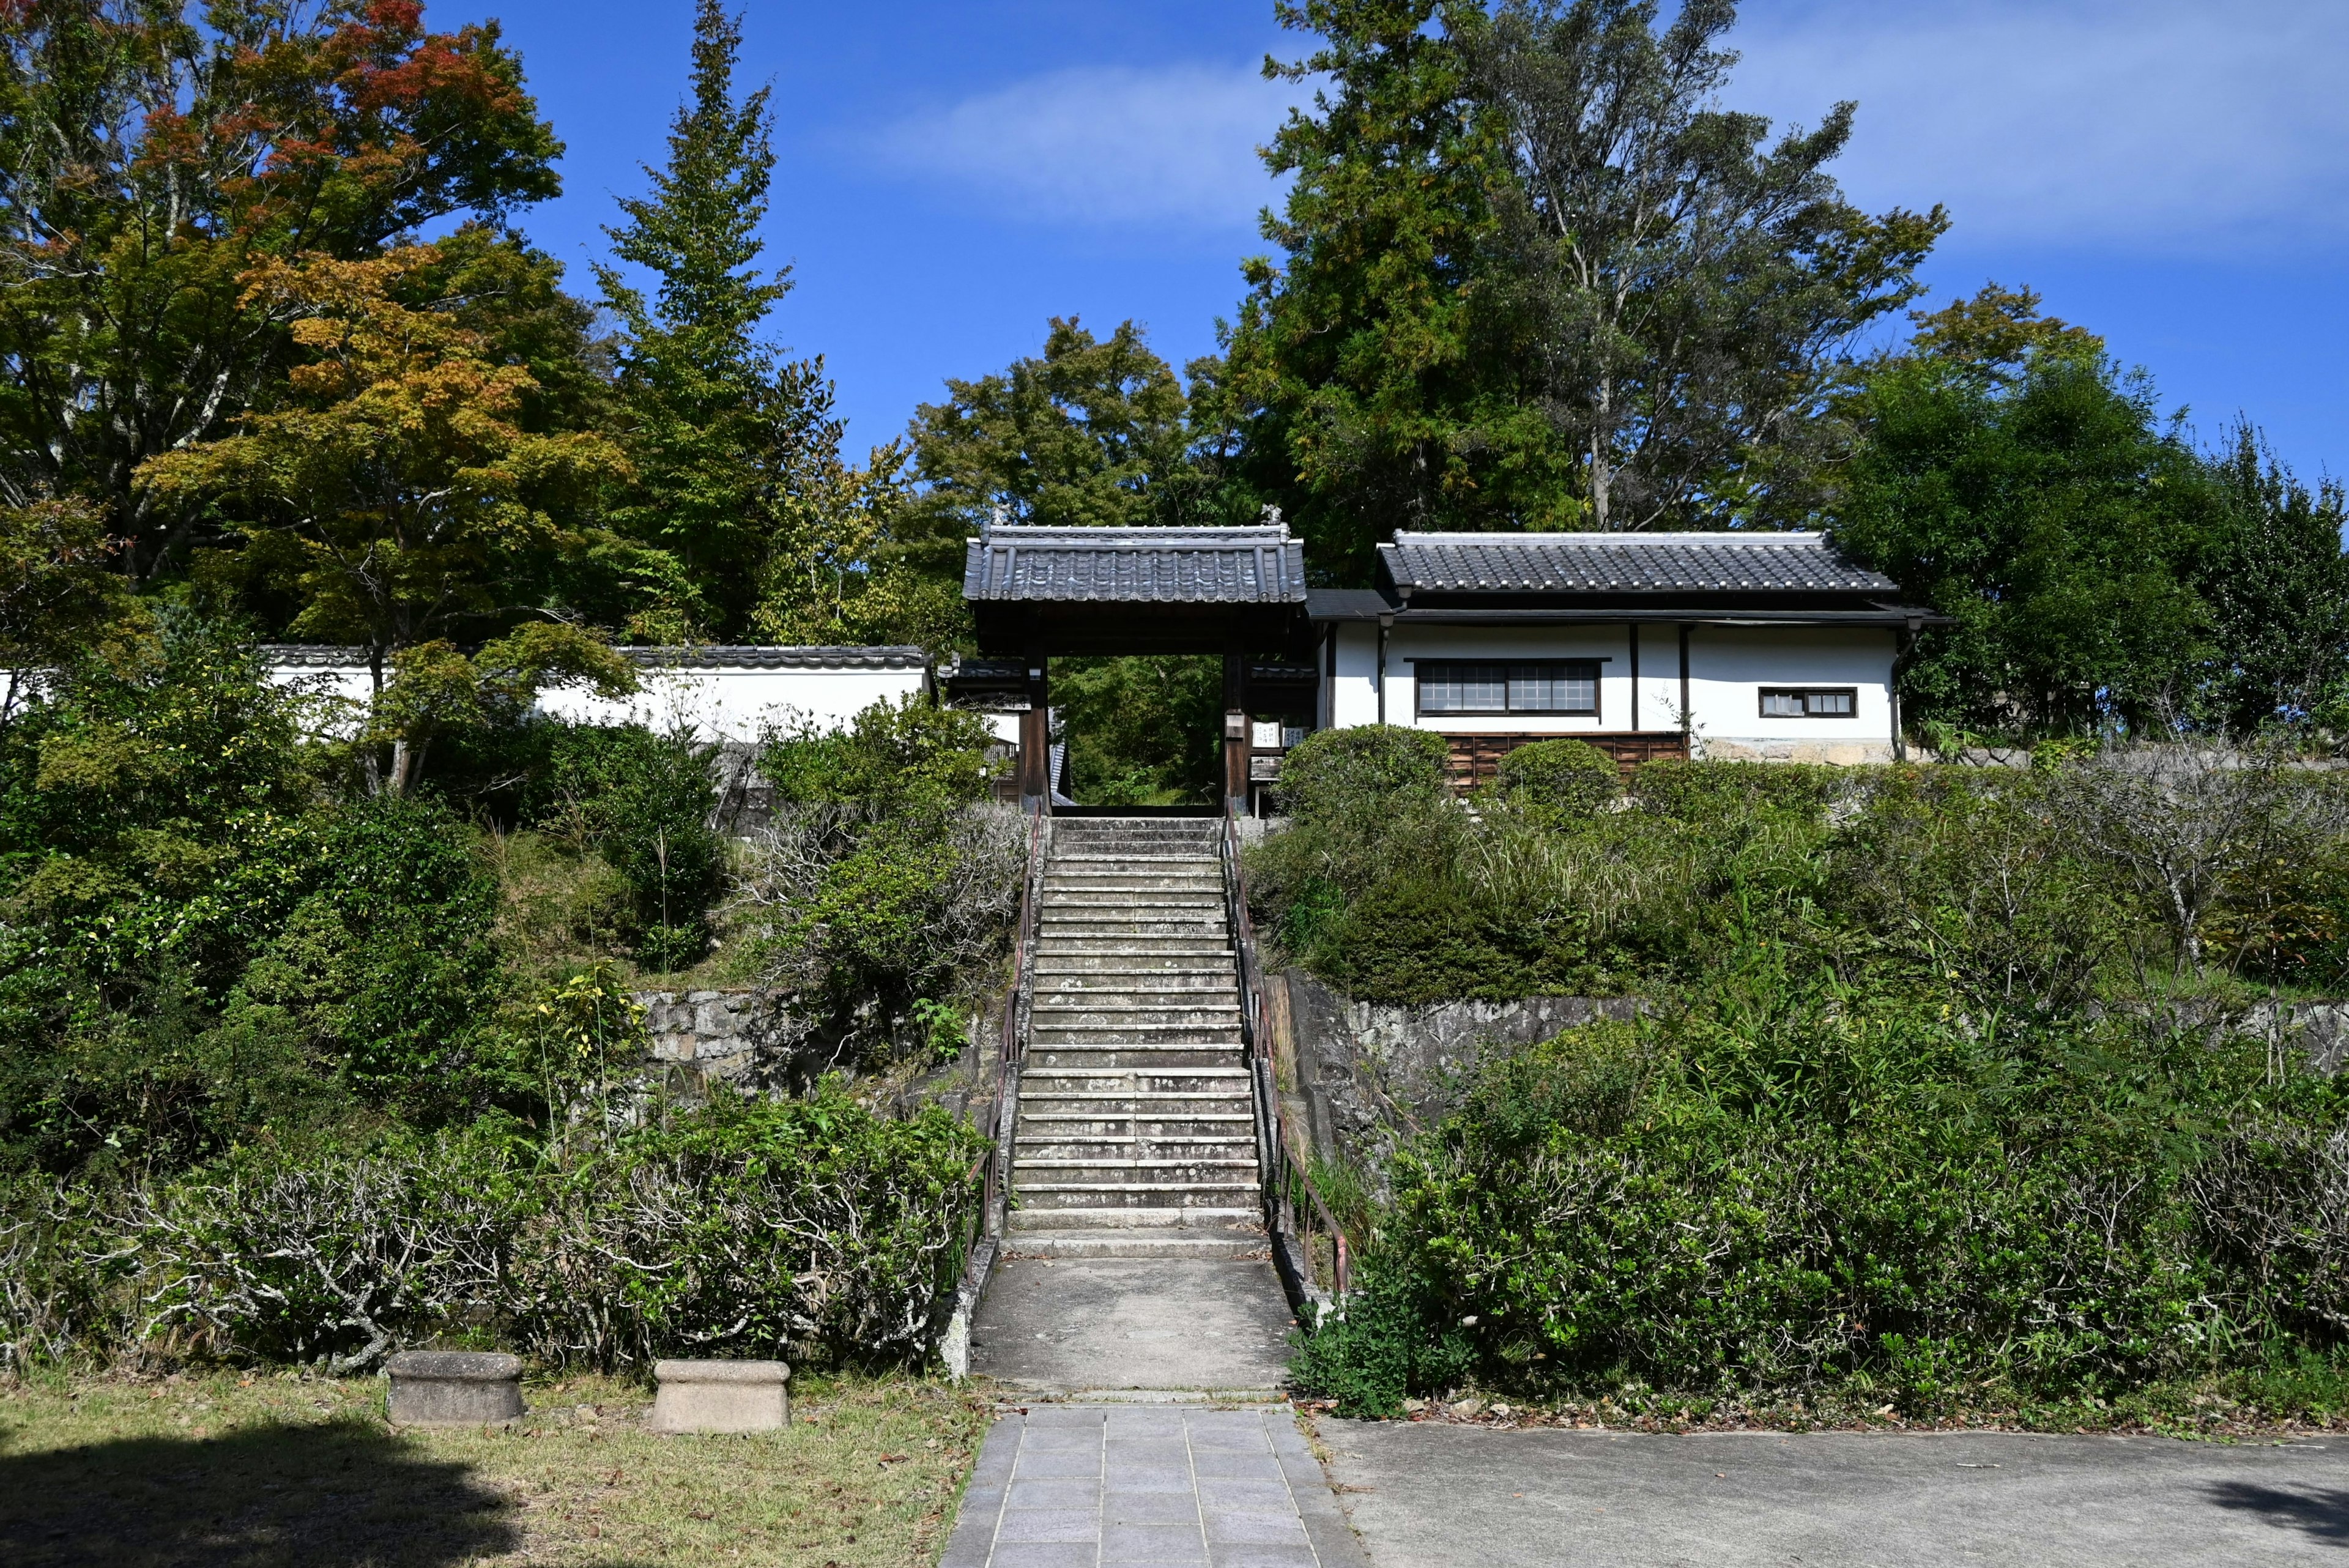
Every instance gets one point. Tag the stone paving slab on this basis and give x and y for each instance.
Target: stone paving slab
(1083, 1324)
(1435, 1495)
(1126, 1485)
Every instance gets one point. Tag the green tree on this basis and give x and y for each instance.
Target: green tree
(1142, 730)
(154, 150)
(57, 596)
(2277, 585)
(736, 450)
(1682, 296)
(1353, 372)
(1085, 435)
(2013, 479)
(396, 495)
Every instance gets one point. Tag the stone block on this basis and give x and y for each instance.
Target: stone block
(721, 1396)
(454, 1388)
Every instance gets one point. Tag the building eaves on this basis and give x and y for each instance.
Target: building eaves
(1135, 565)
(1742, 563)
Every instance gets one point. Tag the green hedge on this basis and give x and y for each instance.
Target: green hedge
(810, 1230)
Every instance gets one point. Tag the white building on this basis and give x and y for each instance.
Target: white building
(1756, 645)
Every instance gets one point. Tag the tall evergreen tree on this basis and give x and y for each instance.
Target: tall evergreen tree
(726, 435)
(1364, 401)
(1682, 292)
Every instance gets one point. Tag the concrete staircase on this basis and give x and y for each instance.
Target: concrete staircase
(1136, 1135)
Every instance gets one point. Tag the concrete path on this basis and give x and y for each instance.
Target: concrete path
(1433, 1496)
(1077, 1324)
(1076, 1485)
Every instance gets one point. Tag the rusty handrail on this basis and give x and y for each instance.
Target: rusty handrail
(1006, 1113)
(1286, 1177)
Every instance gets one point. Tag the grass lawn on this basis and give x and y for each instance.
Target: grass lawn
(273, 1469)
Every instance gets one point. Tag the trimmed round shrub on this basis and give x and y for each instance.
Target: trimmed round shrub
(1336, 772)
(1696, 792)
(1571, 778)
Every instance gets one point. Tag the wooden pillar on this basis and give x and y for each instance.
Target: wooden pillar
(1236, 729)
(1036, 740)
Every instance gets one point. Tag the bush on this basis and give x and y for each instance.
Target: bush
(811, 1229)
(1793, 1188)
(1561, 778)
(1692, 792)
(1338, 773)
(884, 882)
(645, 804)
(908, 756)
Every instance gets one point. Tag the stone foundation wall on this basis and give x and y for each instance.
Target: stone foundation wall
(711, 1035)
(1357, 1074)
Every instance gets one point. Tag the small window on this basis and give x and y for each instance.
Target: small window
(1809, 702)
(1551, 686)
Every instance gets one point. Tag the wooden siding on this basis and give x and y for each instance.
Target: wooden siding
(1476, 758)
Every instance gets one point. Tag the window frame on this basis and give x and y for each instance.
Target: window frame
(1763, 694)
(1596, 669)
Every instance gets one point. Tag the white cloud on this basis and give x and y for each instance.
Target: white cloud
(2193, 126)
(1174, 147)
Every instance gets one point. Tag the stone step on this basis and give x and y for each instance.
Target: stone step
(1131, 1054)
(1160, 1103)
(1175, 1180)
(1134, 1242)
(1063, 1123)
(1060, 1197)
(1161, 1027)
(1055, 1013)
(1237, 1219)
(1062, 944)
(1217, 963)
(1054, 1148)
(1050, 1094)
(1128, 919)
(1135, 990)
(1064, 900)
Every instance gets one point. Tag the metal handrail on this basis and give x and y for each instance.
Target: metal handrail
(1292, 1203)
(1008, 1052)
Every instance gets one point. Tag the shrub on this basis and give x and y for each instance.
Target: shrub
(1337, 774)
(882, 880)
(814, 1230)
(1694, 791)
(1792, 1186)
(338, 1261)
(810, 1229)
(892, 759)
(1561, 778)
(646, 803)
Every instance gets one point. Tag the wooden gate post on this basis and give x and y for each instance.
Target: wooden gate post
(1236, 730)
(1036, 741)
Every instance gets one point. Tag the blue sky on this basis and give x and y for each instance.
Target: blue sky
(2171, 173)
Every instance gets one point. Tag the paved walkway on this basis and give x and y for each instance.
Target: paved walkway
(1432, 1495)
(1075, 1323)
(1071, 1485)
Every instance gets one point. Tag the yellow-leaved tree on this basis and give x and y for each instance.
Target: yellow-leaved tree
(398, 495)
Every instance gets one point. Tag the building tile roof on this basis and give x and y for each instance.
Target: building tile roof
(1624, 563)
(1136, 566)
(722, 656)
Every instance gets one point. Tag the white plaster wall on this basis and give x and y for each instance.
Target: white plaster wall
(1608, 645)
(1353, 692)
(714, 704)
(737, 704)
(1729, 665)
